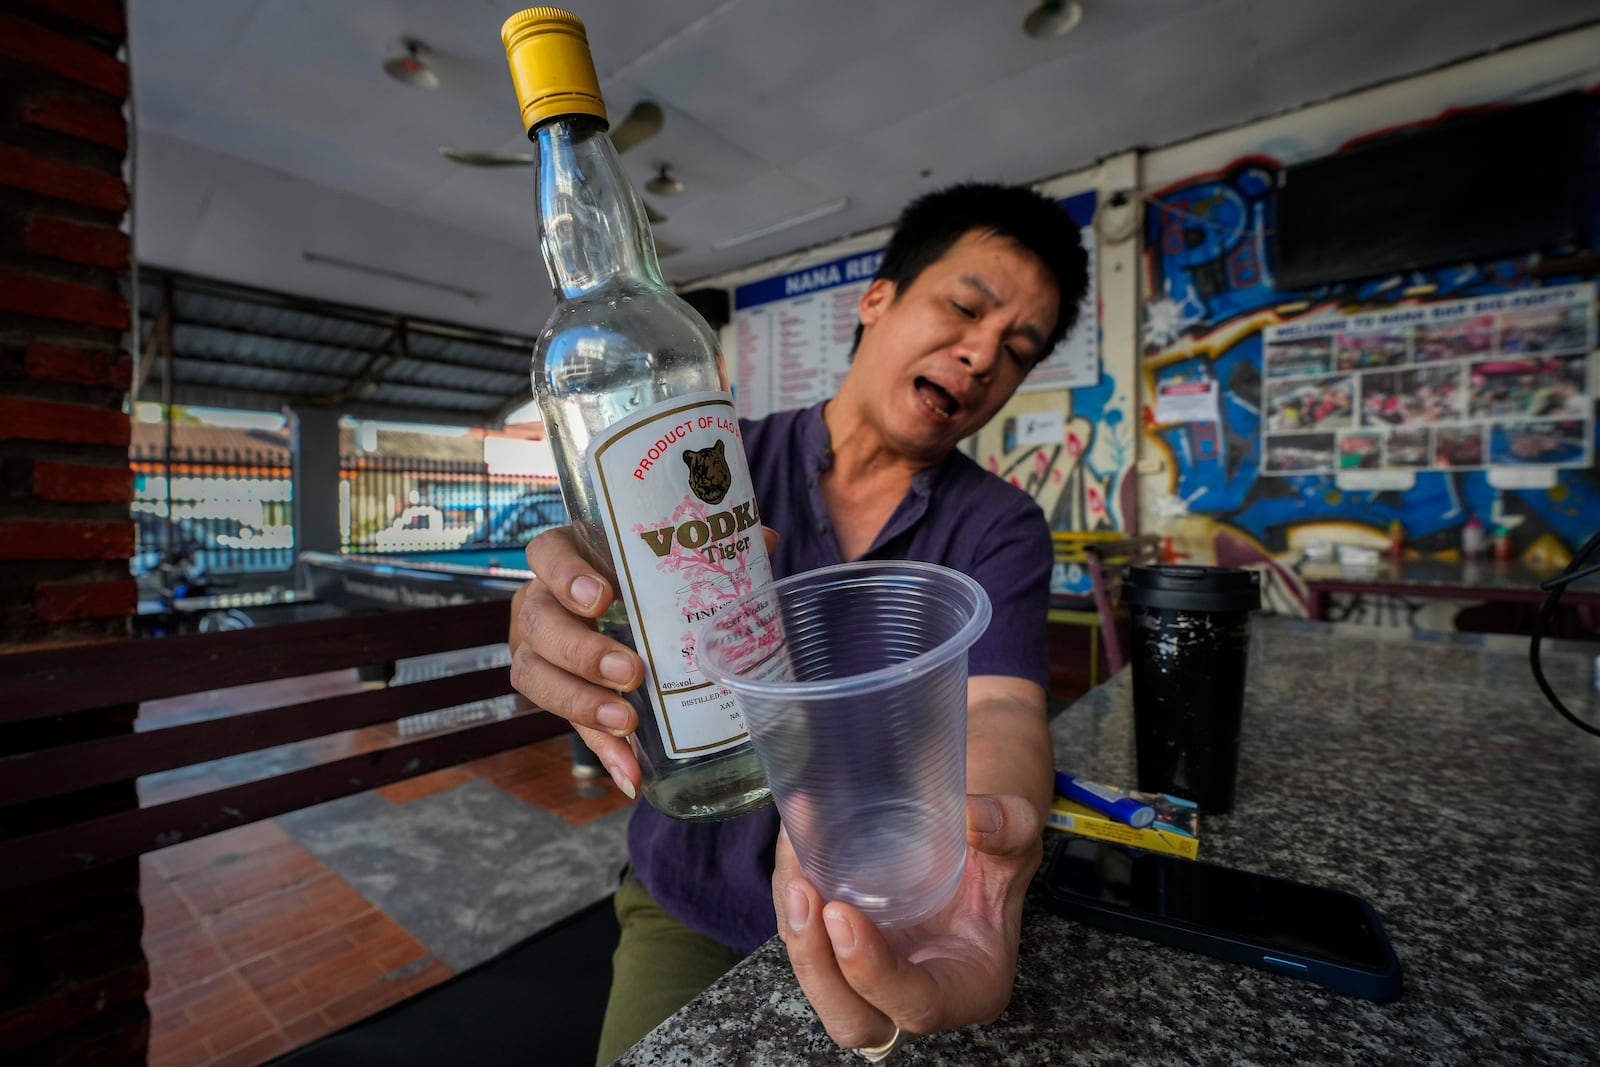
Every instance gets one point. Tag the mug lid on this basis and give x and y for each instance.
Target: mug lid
(1192, 588)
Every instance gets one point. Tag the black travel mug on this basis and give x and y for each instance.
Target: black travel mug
(1190, 649)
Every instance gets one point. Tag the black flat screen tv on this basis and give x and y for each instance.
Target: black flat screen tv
(1476, 186)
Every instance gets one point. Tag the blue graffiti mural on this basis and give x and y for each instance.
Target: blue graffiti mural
(1209, 264)
(1112, 452)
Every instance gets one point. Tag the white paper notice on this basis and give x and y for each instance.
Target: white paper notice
(1186, 402)
(1040, 428)
(1522, 477)
(1375, 481)
(1075, 363)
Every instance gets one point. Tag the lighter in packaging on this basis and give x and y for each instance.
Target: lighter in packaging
(1105, 800)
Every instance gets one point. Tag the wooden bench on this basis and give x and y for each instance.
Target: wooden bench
(39, 843)
(49, 682)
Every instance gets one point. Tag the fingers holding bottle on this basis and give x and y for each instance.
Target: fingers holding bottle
(563, 664)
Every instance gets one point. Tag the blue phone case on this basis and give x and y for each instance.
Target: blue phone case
(1382, 985)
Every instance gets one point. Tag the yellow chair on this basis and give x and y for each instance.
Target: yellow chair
(1108, 565)
(1072, 547)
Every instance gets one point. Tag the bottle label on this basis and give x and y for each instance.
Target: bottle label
(679, 508)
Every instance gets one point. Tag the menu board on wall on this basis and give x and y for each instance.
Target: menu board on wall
(793, 332)
(1487, 381)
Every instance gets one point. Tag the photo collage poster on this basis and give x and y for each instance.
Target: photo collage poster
(1489, 381)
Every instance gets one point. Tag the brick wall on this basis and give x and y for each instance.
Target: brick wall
(72, 976)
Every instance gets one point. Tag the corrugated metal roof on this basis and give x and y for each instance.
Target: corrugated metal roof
(453, 350)
(418, 396)
(236, 346)
(239, 346)
(418, 372)
(276, 321)
(258, 379)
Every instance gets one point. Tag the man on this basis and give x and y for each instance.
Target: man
(977, 285)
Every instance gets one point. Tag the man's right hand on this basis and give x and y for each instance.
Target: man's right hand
(562, 663)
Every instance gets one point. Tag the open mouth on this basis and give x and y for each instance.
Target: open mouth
(937, 399)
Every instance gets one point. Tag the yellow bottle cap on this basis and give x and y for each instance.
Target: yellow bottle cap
(550, 65)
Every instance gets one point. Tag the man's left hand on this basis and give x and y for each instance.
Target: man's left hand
(952, 970)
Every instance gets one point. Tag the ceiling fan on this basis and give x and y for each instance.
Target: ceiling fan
(640, 124)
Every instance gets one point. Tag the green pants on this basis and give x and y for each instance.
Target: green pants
(659, 966)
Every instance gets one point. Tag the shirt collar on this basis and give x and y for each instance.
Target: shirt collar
(815, 441)
(817, 448)
(817, 445)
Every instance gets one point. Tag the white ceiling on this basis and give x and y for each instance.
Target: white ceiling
(267, 129)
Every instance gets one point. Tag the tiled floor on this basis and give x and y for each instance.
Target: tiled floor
(255, 945)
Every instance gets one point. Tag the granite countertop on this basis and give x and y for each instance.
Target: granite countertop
(1423, 771)
(1486, 574)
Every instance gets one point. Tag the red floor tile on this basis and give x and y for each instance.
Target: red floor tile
(164, 910)
(182, 957)
(242, 841)
(301, 1031)
(254, 1027)
(255, 1052)
(256, 948)
(363, 1000)
(545, 755)
(576, 800)
(266, 924)
(427, 785)
(202, 1021)
(164, 1052)
(348, 971)
(267, 972)
(228, 880)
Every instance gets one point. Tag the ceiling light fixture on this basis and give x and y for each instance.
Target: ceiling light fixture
(409, 69)
(1053, 18)
(664, 184)
(822, 211)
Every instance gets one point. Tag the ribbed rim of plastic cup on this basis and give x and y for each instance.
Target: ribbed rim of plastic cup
(883, 676)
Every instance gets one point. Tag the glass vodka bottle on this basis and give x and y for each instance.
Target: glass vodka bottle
(634, 394)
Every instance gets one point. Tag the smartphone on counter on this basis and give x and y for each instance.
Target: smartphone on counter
(1327, 936)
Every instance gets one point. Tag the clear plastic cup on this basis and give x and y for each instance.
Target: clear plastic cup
(853, 683)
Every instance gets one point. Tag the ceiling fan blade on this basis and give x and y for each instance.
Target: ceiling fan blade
(665, 249)
(487, 159)
(517, 159)
(640, 124)
(637, 127)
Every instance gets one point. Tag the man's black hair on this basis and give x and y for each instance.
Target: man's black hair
(932, 224)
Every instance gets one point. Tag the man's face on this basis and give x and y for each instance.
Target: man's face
(942, 355)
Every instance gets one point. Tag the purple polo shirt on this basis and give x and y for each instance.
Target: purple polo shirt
(717, 877)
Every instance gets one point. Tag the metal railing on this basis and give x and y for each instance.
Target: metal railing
(231, 511)
(402, 504)
(217, 511)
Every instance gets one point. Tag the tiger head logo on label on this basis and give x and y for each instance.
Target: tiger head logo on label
(709, 477)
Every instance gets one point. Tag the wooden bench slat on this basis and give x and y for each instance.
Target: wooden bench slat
(53, 771)
(125, 834)
(39, 683)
